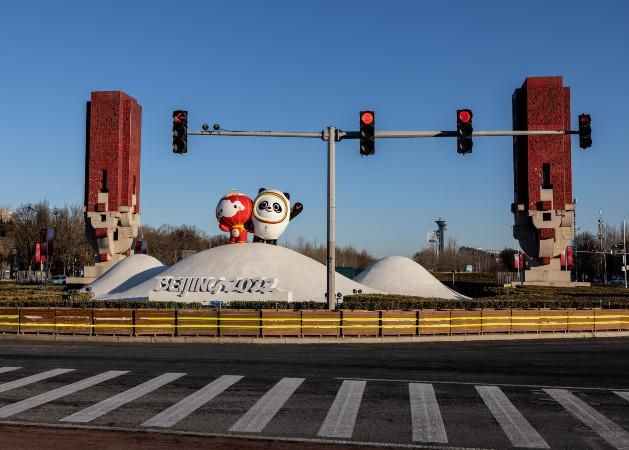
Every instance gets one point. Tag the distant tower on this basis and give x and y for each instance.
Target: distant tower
(440, 232)
(112, 177)
(543, 207)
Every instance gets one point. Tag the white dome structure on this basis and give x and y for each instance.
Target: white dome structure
(253, 271)
(129, 272)
(403, 276)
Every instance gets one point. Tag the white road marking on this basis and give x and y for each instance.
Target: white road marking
(622, 394)
(519, 431)
(608, 430)
(427, 423)
(32, 379)
(24, 405)
(260, 414)
(471, 383)
(341, 417)
(8, 369)
(191, 403)
(111, 403)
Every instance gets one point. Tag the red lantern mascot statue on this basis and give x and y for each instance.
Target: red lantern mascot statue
(234, 213)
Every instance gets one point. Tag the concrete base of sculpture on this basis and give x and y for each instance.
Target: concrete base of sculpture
(557, 283)
(550, 275)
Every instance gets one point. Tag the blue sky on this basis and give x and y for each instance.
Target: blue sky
(290, 65)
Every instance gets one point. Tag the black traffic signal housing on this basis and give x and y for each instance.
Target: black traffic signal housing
(367, 133)
(180, 131)
(585, 131)
(464, 131)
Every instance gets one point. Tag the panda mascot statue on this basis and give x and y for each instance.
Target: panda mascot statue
(271, 214)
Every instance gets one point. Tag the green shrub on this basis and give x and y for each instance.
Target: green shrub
(15, 295)
(520, 300)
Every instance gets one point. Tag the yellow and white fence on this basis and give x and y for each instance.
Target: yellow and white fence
(287, 323)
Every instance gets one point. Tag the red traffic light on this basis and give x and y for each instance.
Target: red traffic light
(366, 118)
(180, 116)
(465, 115)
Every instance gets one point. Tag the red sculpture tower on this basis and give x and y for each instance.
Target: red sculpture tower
(112, 177)
(543, 205)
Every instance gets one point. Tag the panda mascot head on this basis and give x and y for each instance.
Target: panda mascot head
(271, 214)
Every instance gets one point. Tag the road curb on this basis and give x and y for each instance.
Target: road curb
(310, 340)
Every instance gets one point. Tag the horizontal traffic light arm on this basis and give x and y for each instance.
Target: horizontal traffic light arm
(289, 134)
(378, 134)
(431, 134)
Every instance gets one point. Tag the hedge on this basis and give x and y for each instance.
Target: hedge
(524, 300)
(12, 295)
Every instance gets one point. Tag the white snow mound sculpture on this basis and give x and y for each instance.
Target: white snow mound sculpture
(253, 271)
(129, 272)
(403, 276)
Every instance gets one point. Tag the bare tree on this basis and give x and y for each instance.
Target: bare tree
(346, 256)
(28, 220)
(7, 241)
(427, 257)
(166, 241)
(588, 261)
(71, 248)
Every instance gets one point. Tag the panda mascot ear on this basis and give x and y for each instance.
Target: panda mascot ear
(261, 189)
(287, 195)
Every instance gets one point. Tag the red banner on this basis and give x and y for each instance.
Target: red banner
(46, 238)
(518, 261)
(37, 253)
(567, 258)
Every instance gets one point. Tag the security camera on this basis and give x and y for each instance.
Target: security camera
(205, 127)
(216, 127)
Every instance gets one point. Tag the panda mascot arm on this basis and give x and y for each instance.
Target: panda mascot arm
(296, 210)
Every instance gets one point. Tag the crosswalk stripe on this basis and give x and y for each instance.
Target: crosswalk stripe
(191, 403)
(427, 423)
(107, 405)
(32, 379)
(622, 394)
(341, 417)
(608, 430)
(260, 414)
(32, 402)
(519, 431)
(8, 369)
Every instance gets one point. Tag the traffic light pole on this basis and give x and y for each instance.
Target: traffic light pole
(332, 135)
(331, 250)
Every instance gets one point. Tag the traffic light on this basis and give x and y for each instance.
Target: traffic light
(585, 131)
(464, 131)
(367, 133)
(180, 131)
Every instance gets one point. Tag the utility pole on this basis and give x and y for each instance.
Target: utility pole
(332, 135)
(574, 242)
(624, 247)
(601, 231)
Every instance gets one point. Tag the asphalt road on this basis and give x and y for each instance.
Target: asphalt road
(565, 394)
